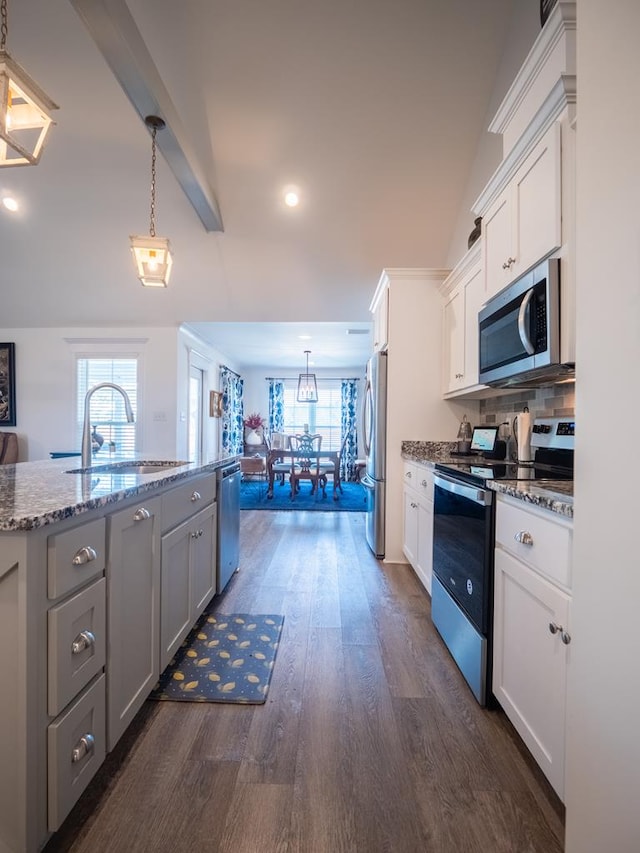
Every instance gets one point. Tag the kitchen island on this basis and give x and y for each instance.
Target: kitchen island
(102, 574)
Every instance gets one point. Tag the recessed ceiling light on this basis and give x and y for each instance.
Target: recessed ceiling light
(304, 337)
(291, 198)
(10, 203)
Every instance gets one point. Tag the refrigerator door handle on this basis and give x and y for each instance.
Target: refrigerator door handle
(367, 415)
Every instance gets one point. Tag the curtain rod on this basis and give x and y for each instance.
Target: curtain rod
(224, 367)
(318, 378)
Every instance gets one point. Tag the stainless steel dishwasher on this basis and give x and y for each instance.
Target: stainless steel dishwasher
(228, 538)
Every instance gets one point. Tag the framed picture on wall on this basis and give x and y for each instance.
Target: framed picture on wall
(7, 385)
(215, 404)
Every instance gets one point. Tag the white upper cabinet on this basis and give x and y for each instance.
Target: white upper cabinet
(523, 224)
(380, 311)
(463, 292)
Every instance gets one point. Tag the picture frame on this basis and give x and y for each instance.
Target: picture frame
(215, 404)
(7, 385)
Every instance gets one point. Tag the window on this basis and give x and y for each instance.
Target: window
(107, 406)
(323, 417)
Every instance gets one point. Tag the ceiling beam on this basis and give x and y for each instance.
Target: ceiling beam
(114, 31)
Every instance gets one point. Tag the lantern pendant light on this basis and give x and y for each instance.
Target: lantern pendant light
(307, 385)
(25, 110)
(152, 254)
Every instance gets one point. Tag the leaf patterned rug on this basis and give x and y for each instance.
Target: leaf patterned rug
(223, 659)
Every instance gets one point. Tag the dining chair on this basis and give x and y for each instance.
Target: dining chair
(281, 467)
(305, 464)
(330, 467)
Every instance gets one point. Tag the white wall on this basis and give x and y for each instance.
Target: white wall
(524, 28)
(45, 385)
(603, 751)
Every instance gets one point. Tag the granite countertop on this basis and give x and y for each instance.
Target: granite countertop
(553, 495)
(33, 494)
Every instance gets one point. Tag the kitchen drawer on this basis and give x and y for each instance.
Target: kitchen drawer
(548, 545)
(420, 478)
(71, 766)
(180, 503)
(77, 644)
(75, 557)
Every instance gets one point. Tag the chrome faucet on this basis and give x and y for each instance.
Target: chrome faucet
(86, 429)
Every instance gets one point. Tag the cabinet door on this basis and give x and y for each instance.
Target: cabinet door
(410, 528)
(381, 322)
(203, 559)
(530, 662)
(453, 337)
(497, 242)
(175, 591)
(133, 594)
(473, 300)
(535, 199)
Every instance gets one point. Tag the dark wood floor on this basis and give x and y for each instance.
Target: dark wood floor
(369, 740)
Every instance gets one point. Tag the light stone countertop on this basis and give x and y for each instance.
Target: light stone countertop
(33, 494)
(553, 495)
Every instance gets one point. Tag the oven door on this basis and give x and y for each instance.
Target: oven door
(463, 546)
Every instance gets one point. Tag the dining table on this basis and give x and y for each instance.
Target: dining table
(275, 455)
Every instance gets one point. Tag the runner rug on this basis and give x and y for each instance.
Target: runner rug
(223, 659)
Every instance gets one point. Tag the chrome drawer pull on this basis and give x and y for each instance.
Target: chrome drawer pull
(84, 746)
(84, 640)
(141, 514)
(524, 538)
(196, 496)
(84, 555)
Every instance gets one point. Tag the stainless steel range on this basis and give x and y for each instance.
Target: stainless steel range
(463, 543)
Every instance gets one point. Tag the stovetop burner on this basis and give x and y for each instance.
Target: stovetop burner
(479, 470)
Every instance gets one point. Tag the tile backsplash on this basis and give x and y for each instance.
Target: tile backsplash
(551, 401)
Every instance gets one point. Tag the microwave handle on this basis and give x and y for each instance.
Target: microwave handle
(522, 331)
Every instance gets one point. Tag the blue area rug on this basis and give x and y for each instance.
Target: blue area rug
(223, 659)
(253, 495)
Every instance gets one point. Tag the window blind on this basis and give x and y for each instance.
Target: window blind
(107, 406)
(323, 417)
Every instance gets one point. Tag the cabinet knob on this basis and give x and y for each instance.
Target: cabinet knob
(524, 538)
(141, 514)
(424, 484)
(84, 746)
(197, 534)
(84, 640)
(414, 506)
(84, 555)
(408, 474)
(196, 496)
(459, 375)
(558, 629)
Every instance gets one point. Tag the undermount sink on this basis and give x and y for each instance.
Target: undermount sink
(128, 468)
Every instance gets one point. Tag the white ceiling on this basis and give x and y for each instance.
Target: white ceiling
(373, 108)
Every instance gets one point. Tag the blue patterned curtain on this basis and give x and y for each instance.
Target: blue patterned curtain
(276, 405)
(232, 412)
(349, 405)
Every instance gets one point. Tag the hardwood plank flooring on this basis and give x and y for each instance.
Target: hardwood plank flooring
(370, 740)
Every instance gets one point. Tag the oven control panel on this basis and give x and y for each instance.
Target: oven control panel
(557, 433)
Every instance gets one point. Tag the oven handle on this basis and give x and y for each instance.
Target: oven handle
(479, 496)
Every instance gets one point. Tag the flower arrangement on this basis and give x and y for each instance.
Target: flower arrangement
(254, 421)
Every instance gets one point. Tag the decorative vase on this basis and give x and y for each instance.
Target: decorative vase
(252, 436)
(475, 233)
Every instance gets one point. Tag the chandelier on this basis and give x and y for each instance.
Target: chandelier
(307, 385)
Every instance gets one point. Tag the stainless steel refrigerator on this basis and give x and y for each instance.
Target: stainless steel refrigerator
(374, 436)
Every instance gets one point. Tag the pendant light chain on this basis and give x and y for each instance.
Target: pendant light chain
(3, 25)
(152, 223)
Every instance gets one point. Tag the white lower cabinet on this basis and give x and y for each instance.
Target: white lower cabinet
(133, 573)
(418, 520)
(531, 635)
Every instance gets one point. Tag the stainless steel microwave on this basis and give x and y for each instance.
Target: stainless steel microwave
(519, 331)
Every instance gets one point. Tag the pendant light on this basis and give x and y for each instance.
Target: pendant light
(25, 110)
(152, 254)
(307, 385)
